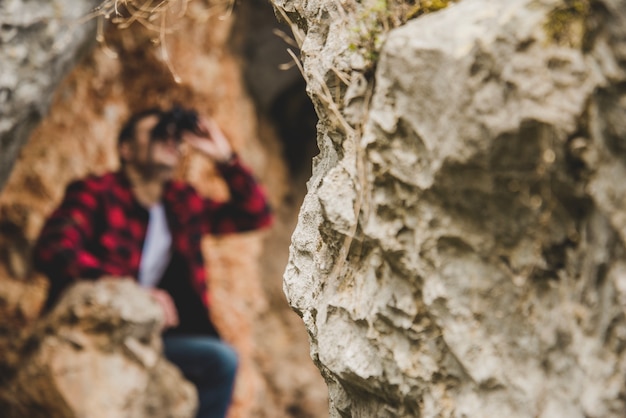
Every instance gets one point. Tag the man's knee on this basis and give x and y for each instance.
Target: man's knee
(203, 360)
(228, 360)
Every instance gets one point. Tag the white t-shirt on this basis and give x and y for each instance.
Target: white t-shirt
(156, 254)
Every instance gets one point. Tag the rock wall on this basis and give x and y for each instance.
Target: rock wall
(460, 252)
(127, 71)
(40, 41)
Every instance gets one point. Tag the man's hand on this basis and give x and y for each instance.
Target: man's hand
(170, 314)
(213, 144)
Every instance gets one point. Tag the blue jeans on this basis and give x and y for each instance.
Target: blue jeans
(210, 364)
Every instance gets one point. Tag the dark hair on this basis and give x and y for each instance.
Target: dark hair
(174, 122)
(127, 132)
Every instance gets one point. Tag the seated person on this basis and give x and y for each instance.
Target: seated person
(139, 222)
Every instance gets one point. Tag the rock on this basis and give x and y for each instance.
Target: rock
(41, 41)
(22, 295)
(21, 300)
(460, 250)
(98, 353)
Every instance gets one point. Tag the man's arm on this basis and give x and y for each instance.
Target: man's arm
(60, 250)
(247, 209)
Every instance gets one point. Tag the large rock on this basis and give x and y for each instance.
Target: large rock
(41, 40)
(98, 354)
(460, 252)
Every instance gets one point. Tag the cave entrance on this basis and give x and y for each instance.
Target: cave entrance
(276, 85)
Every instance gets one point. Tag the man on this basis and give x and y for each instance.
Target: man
(141, 223)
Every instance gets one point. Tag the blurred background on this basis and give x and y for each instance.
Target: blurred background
(229, 62)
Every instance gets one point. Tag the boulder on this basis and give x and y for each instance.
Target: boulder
(460, 252)
(97, 354)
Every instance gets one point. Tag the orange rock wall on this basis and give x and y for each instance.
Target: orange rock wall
(127, 72)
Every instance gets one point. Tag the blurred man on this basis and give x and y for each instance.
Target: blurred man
(141, 223)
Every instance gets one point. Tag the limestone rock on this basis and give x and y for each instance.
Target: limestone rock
(41, 40)
(460, 252)
(98, 354)
(21, 300)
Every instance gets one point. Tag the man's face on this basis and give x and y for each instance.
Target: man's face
(151, 158)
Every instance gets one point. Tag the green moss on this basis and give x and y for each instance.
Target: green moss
(566, 25)
(378, 17)
(427, 6)
(372, 25)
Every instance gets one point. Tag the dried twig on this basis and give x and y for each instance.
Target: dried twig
(157, 16)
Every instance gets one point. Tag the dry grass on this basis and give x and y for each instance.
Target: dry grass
(162, 17)
(149, 13)
(336, 118)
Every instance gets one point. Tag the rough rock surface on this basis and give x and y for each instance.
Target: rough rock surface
(39, 42)
(98, 332)
(460, 252)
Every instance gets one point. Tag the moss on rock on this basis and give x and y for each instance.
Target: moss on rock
(567, 24)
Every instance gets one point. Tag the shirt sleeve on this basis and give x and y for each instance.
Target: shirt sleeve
(248, 207)
(60, 249)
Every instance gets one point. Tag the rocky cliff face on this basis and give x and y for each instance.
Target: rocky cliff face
(460, 252)
(40, 42)
(128, 71)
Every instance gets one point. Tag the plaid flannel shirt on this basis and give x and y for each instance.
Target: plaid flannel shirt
(99, 228)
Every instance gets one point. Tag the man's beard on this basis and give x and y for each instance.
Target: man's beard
(153, 171)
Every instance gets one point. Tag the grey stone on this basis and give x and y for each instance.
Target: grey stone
(39, 42)
(460, 250)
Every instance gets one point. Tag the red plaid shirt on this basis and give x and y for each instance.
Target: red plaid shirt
(99, 228)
